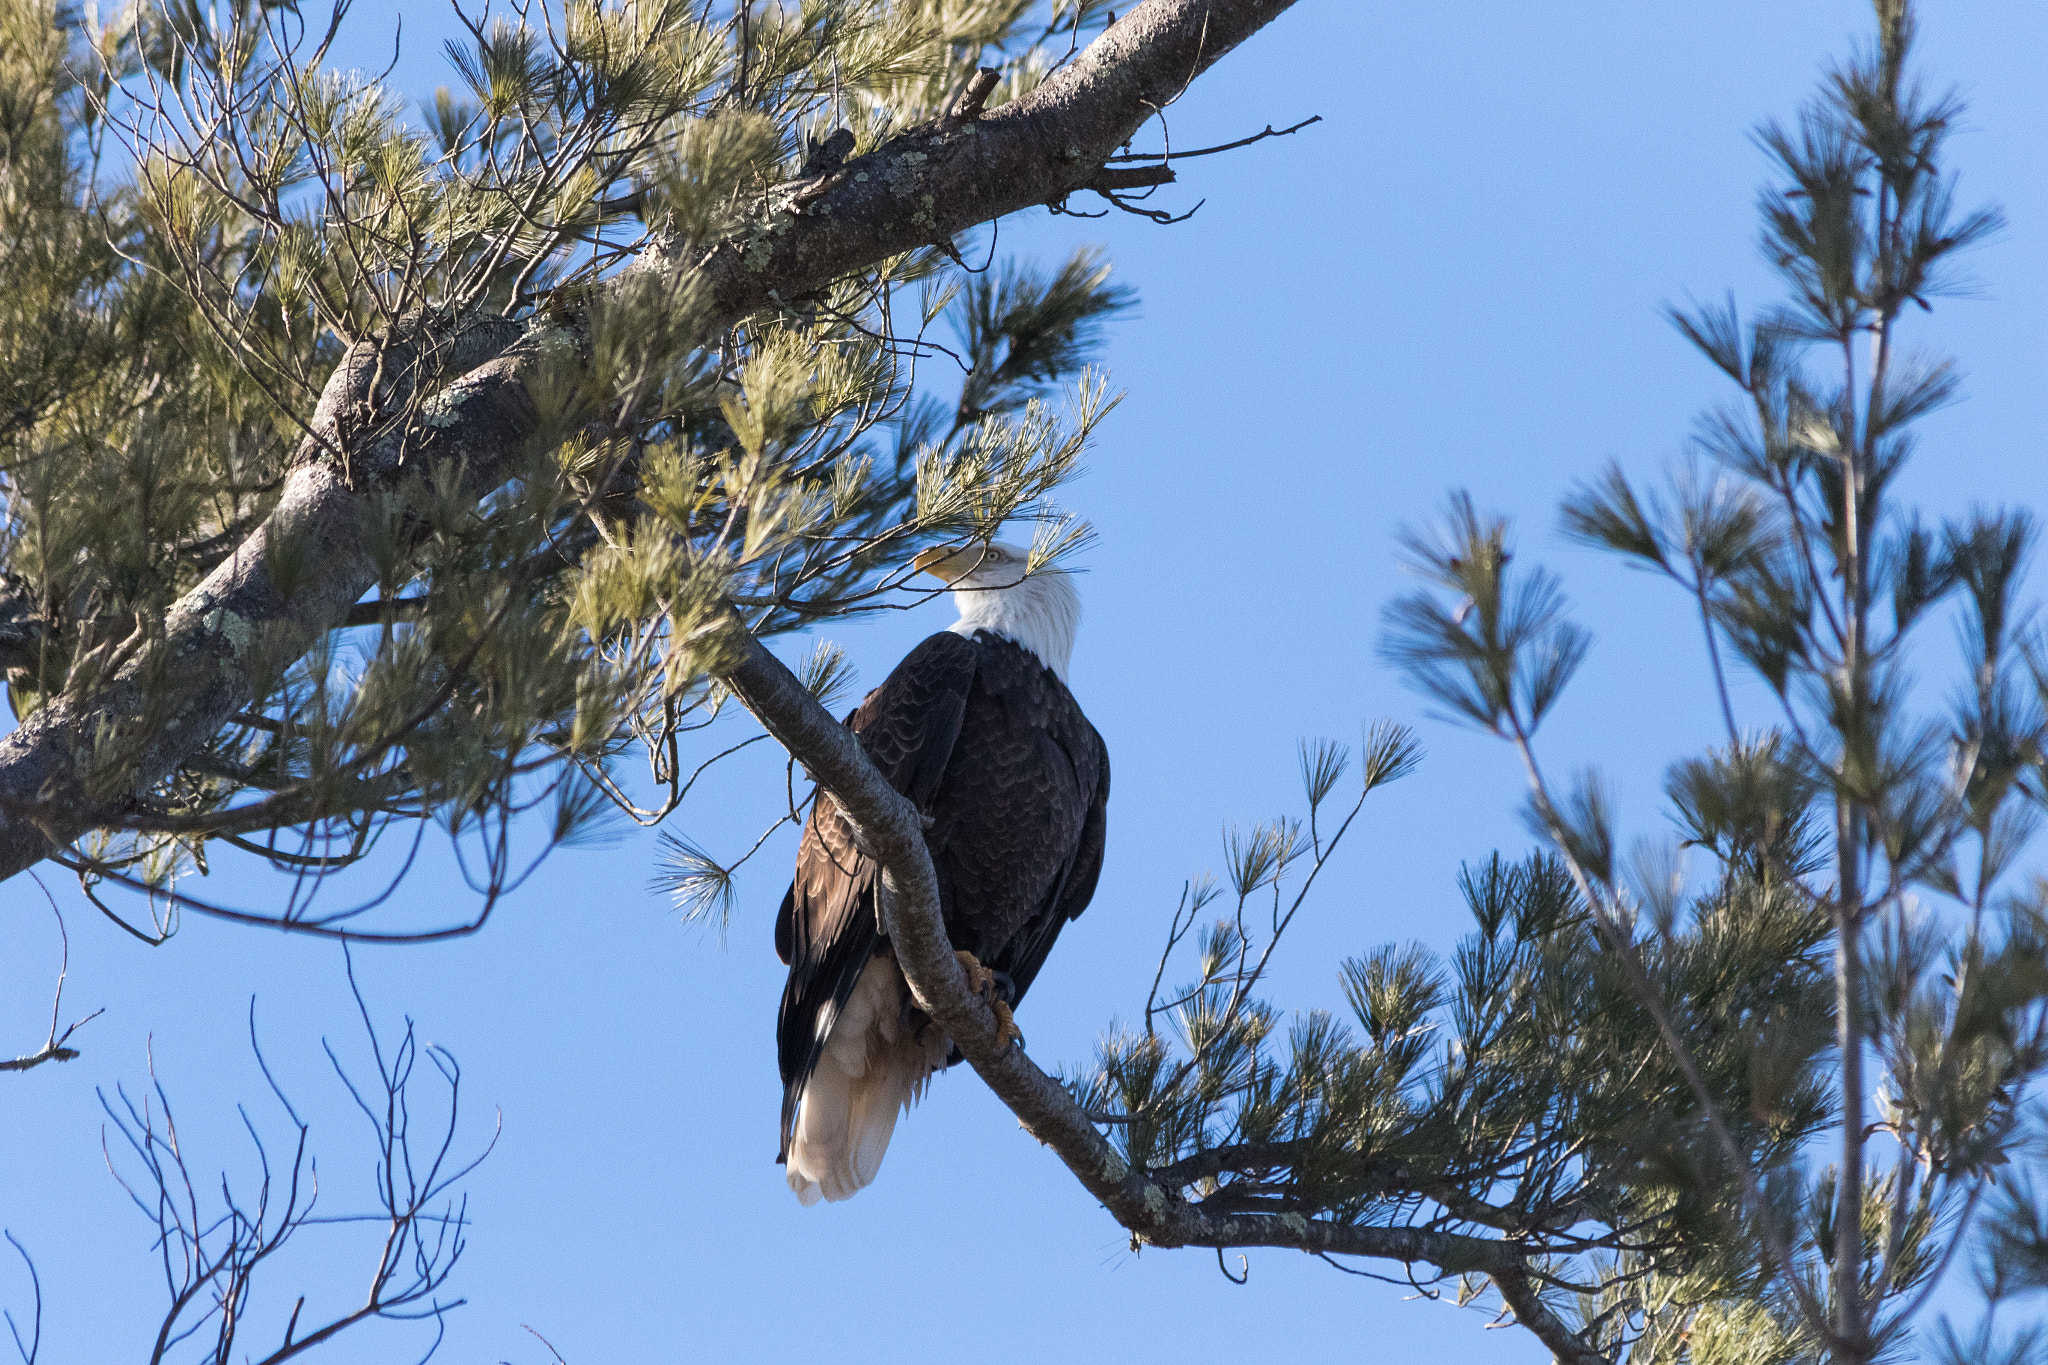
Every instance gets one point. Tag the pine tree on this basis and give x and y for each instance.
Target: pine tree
(532, 412)
(1866, 834)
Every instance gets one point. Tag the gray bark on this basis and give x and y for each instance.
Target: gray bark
(71, 764)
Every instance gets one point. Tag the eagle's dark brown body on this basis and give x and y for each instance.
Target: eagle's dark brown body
(993, 748)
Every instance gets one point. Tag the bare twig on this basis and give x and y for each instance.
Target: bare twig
(545, 1342)
(29, 1352)
(1270, 131)
(212, 1260)
(53, 1048)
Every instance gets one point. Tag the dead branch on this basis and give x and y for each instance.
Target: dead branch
(967, 108)
(1109, 182)
(213, 1257)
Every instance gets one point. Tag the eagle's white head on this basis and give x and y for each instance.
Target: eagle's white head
(1040, 610)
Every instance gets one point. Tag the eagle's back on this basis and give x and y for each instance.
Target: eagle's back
(1012, 841)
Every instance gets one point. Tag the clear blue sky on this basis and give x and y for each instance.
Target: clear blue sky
(1452, 280)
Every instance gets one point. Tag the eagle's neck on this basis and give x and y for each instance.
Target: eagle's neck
(1041, 614)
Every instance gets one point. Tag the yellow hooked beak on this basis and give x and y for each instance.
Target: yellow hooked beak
(930, 560)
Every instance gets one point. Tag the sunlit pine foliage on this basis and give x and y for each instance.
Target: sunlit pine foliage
(203, 215)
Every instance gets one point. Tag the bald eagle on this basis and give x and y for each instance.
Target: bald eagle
(976, 726)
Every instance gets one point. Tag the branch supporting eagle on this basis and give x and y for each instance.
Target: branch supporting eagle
(977, 728)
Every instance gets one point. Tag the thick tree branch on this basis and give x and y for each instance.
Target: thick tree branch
(298, 575)
(1142, 1201)
(1565, 1345)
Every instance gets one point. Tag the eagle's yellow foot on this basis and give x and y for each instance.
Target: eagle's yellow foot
(983, 983)
(1007, 1031)
(979, 978)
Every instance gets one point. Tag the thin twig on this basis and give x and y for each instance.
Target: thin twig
(1270, 131)
(53, 1048)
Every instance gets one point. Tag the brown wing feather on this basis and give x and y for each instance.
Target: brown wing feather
(826, 929)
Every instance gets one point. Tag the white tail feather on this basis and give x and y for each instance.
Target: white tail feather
(871, 1070)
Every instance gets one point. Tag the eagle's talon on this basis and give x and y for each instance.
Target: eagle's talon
(1007, 1031)
(993, 987)
(979, 978)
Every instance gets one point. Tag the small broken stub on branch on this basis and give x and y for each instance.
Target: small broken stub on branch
(966, 107)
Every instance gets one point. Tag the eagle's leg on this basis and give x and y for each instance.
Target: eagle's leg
(992, 987)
